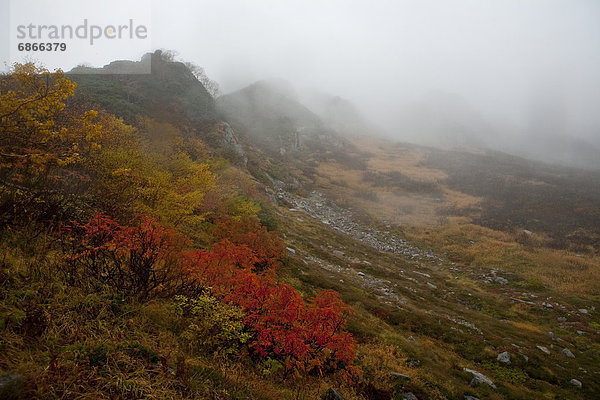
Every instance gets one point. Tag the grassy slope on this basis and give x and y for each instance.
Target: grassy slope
(98, 345)
(536, 274)
(94, 346)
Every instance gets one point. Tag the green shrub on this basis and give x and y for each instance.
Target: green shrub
(506, 374)
(214, 327)
(267, 217)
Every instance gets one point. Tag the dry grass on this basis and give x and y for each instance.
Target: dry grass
(558, 270)
(396, 207)
(386, 157)
(527, 327)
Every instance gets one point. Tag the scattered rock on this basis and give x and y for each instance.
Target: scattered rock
(550, 334)
(524, 357)
(543, 349)
(576, 383)
(11, 386)
(465, 323)
(399, 375)
(338, 253)
(291, 250)
(412, 339)
(547, 305)
(413, 363)
(504, 358)
(410, 396)
(332, 394)
(501, 280)
(568, 353)
(580, 332)
(530, 303)
(431, 285)
(341, 219)
(423, 274)
(467, 397)
(583, 311)
(561, 319)
(361, 273)
(478, 378)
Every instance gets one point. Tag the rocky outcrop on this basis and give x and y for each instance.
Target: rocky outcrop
(229, 140)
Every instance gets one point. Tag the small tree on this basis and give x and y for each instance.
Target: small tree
(211, 86)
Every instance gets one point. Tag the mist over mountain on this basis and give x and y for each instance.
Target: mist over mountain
(265, 105)
(501, 58)
(439, 119)
(270, 114)
(448, 120)
(339, 114)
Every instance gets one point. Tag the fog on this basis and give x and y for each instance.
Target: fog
(505, 73)
(518, 75)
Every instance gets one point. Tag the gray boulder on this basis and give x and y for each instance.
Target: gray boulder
(576, 383)
(478, 378)
(501, 280)
(504, 358)
(543, 349)
(568, 353)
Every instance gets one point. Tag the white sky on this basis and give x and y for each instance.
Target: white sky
(383, 54)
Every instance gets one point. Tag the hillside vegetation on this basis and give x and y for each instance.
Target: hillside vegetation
(156, 243)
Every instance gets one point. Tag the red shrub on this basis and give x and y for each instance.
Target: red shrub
(143, 260)
(304, 336)
(146, 260)
(266, 246)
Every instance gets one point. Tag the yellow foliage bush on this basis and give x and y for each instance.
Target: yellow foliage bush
(214, 327)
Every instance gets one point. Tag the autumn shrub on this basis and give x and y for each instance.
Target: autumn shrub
(266, 247)
(143, 260)
(42, 145)
(305, 336)
(130, 179)
(239, 207)
(214, 326)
